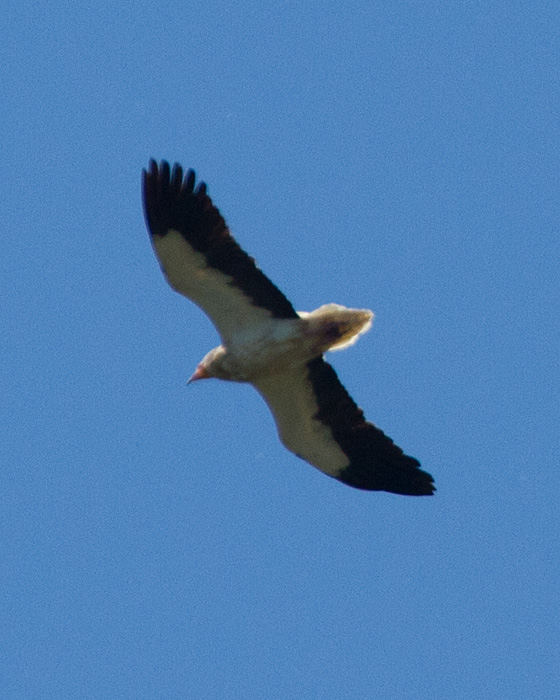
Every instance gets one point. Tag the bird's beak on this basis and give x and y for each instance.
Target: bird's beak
(199, 373)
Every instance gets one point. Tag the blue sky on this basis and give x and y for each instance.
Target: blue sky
(156, 540)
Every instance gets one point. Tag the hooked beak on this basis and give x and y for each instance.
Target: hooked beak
(199, 373)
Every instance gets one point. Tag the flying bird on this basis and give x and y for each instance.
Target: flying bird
(270, 345)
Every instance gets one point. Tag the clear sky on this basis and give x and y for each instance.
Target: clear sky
(156, 541)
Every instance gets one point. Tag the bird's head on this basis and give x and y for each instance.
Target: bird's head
(212, 365)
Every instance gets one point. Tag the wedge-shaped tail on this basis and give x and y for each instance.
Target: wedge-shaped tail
(335, 327)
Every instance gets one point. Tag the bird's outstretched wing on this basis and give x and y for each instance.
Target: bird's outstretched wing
(199, 256)
(318, 421)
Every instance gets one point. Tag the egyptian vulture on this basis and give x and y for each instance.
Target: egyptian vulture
(269, 344)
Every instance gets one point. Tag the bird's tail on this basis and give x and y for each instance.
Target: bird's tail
(335, 327)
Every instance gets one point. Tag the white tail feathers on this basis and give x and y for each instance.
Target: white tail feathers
(335, 327)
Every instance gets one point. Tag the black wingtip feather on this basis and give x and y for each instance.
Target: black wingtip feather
(172, 202)
(376, 463)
